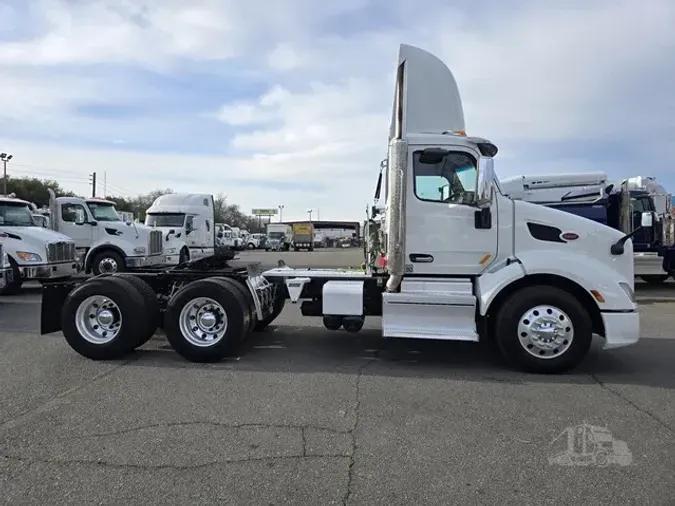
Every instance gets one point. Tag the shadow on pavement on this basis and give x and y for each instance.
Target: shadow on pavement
(294, 350)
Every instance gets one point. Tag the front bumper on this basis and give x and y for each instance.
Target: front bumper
(48, 271)
(4, 272)
(648, 264)
(158, 260)
(621, 329)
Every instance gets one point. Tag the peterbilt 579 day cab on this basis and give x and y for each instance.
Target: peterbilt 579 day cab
(105, 243)
(458, 261)
(628, 206)
(35, 253)
(187, 222)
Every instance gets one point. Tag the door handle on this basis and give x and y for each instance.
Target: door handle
(421, 258)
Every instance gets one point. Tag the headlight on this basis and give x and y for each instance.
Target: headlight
(170, 251)
(629, 291)
(5, 260)
(29, 257)
(139, 249)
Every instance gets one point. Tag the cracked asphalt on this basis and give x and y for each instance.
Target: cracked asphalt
(309, 416)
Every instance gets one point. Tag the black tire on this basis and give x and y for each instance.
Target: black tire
(184, 256)
(267, 249)
(107, 255)
(151, 308)
(524, 300)
(131, 307)
(311, 248)
(250, 246)
(245, 298)
(237, 321)
(279, 304)
(655, 279)
(14, 281)
(332, 322)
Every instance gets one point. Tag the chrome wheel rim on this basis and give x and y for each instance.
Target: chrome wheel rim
(545, 332)
(98, 319)
(107, 265)
(203, 322)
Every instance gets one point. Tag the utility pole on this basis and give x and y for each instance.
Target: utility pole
(105, 184)
(281, 214)
(92, 178)
(5, 158)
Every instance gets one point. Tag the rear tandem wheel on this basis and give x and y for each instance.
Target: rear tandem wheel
(105, 318)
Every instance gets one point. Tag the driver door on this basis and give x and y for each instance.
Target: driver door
(442, 234)
(75, 224)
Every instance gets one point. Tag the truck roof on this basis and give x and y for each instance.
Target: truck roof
(180, 202)
(13, 200)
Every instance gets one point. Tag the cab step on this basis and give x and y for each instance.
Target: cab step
(432, 308)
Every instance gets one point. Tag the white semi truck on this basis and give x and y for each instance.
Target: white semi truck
(104, 242)
(278, 237)
(34, 253)
(187, 222)
(459, 261)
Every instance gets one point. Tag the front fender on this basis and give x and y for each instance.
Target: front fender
(95, 250)
(586, 271)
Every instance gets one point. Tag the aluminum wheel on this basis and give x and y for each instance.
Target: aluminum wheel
(107, 265)
(98, 319)
(203, 322)
(545, 331)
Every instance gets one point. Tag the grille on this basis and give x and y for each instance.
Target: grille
(62, 251)
(155, 242)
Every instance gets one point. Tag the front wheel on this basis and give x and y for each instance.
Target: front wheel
(543, 329)
(14, 281)
(108, 262)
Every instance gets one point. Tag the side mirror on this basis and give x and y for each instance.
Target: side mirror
(220, 235)
(79, 219)
(485, 182)
(647, 220)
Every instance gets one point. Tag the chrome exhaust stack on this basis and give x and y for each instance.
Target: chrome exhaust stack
(396, 186)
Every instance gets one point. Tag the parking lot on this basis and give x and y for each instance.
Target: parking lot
(309, 416)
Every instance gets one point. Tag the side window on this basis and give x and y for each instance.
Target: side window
(71, 212)
(452, 180)
(190, 223)
(208, 226)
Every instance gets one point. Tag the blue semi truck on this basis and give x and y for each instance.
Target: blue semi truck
(637, 205)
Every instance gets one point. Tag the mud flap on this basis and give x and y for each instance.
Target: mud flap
(53, 298)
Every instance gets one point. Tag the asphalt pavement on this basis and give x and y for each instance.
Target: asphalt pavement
(309, 416)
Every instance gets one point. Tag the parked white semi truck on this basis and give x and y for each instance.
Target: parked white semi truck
(34, 252)
(104, 242)
(187, 222)
(459, 261)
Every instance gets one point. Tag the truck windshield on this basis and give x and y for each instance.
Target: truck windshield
(103, 212)
(15, 215)
(165, 219)
(275, 235)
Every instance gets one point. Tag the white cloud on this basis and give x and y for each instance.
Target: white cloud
(529, 76)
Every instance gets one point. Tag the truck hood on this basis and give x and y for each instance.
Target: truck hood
(33, 234)
(567, 233)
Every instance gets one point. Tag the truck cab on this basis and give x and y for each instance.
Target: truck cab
(105, 243)
(186, 221)
(34, 253)
(278, 237)
(459, 260)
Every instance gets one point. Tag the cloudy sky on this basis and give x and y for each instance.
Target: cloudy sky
(288, 101)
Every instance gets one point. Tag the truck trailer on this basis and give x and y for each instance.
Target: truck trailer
(456, 260)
